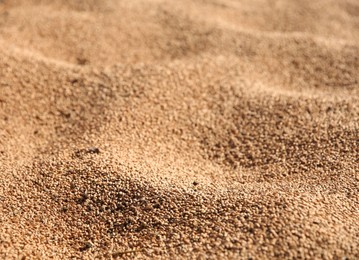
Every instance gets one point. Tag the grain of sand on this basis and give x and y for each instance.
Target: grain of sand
(179, 129)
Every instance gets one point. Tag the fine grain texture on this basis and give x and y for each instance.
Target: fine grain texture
(224, 129)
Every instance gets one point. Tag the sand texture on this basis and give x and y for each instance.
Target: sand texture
(192, 129)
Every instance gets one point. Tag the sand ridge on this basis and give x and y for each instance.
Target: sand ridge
(179, 129)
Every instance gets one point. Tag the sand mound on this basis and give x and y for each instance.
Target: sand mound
(207, 128)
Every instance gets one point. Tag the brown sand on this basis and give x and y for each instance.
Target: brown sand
(179, 129)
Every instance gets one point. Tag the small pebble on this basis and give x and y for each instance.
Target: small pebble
(87, 245)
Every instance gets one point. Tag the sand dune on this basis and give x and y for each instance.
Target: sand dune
(179, 129)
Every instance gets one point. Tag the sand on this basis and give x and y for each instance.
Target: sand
(202, 129)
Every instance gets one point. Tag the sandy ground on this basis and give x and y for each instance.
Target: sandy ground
(179, 129)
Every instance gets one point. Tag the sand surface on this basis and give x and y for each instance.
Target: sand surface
(179, 129)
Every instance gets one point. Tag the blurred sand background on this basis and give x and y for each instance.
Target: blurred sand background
(179, 129)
